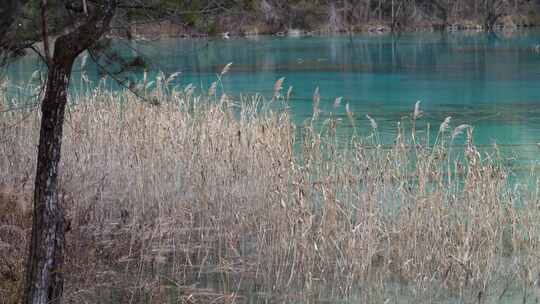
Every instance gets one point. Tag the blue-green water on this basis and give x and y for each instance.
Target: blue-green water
(489, 81)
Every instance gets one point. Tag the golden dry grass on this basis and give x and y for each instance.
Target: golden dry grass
(204, 199)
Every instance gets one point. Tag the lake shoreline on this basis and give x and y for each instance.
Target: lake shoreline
(168, 29)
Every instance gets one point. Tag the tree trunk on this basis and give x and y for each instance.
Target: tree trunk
(380, 10)
(44, 273)
(44, 282)
(393, 16)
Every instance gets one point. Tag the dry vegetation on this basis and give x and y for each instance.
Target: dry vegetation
(204, 199)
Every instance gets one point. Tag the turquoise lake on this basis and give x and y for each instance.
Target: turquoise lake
(489, 81)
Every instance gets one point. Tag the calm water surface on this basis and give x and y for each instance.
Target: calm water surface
(489, 81)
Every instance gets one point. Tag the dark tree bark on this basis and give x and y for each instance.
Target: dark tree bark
(44, 277)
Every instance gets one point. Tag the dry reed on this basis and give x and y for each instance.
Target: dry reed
(201, 199)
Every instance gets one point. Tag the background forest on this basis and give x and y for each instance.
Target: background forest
(271, 16)
(245, 17)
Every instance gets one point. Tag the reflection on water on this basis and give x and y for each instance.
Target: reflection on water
(489, 81)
